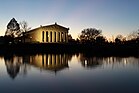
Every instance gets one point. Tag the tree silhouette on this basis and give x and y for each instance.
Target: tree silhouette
(100, 40)
(119, 39)
(89, 34)
(13, 28)
(69, 37)
(134, 35)
(24, 26)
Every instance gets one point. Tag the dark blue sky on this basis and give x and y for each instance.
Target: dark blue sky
(112, 16)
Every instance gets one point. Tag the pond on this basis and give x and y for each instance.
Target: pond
(68, 73)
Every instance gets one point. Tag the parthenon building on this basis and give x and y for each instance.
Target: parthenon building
(47, 34)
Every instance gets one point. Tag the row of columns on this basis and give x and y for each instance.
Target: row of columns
(53, 36)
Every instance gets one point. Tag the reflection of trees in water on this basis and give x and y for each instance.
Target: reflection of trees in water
(90, 62)
(21, 64)
(13, 65)
(56, 62)
(121, 61)
(69, 57)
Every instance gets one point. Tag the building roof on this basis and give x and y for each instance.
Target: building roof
(49, 26)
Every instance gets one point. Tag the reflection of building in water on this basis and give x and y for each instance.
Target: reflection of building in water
(51, 62)
(13, 65)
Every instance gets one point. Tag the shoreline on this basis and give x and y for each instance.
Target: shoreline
(71, 48)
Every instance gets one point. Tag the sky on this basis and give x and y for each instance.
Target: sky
(113, 17)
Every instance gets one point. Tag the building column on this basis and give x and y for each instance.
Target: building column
(60, 37)
(63, 36)
(66, 37)
(48, 36)
(57, 36)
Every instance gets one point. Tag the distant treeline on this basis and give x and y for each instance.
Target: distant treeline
(111, 49)
(90, 41)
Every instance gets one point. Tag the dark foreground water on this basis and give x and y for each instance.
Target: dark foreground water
(66, 73)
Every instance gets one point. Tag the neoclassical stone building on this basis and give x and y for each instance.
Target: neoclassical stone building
(47, 34)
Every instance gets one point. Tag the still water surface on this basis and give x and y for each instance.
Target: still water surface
(66, 73)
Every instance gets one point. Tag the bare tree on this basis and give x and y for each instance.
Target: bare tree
(120, 37)
(69, 37)
(24, 26)
(133, 35)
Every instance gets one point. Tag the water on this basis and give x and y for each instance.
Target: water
(66, 73)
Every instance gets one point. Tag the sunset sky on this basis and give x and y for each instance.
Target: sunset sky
(111, 16)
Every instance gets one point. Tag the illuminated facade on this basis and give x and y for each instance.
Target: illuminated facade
(47, 34)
